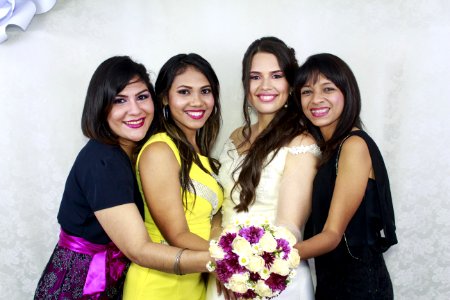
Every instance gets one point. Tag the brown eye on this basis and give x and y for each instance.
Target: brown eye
(206, 91)
(305, 92)
(143, 97)
(183, 92)
(118, 101)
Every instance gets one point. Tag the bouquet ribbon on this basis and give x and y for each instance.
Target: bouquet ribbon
(106, 260)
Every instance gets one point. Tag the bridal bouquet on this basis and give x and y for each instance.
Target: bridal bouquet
(255, 259)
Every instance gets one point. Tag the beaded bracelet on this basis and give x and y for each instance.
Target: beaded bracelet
(176, 265)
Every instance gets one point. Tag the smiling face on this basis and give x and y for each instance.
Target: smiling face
(323, 104)
(268, 87)
(131, 114)
(190, 101)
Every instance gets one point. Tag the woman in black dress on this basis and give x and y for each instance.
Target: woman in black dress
(352, 220)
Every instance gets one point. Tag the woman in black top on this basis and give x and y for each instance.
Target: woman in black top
(352, 220)
(101, 209)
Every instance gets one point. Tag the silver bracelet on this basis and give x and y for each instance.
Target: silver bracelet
(176, 265)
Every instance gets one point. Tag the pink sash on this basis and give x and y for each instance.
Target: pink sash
(106, 260)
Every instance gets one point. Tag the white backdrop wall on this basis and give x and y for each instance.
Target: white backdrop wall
(399, 51)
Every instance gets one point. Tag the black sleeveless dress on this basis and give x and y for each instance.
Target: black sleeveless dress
(356, 268)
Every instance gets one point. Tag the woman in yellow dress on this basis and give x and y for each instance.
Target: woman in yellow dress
(177, 176)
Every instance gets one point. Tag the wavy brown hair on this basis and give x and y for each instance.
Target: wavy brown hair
(206, 136)
(338, 72)
(285, 126)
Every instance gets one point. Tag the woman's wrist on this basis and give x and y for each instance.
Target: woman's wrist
(177, 263)
(194, 261)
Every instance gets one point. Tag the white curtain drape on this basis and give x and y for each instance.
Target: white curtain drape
(398, 50)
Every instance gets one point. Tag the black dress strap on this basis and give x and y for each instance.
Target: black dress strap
(383, 187)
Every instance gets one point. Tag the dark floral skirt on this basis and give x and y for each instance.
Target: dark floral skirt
(65, 275)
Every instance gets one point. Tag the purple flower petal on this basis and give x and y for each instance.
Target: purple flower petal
(226, 240)
(284, 246)
(252, 234)
(276, 282)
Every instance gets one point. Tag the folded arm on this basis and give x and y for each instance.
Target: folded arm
(125, 227)
(355, 167)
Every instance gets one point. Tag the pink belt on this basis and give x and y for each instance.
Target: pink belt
(106, 260)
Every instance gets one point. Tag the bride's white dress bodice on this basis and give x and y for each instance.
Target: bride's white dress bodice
(265, 205)
(266, 201)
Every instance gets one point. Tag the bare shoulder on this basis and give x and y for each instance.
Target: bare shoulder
(355, 157)
(304, 139)
(157, 151)
(355, 145)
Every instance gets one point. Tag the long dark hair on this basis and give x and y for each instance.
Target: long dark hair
(108, 80)
(207, 135)
(338, 72)
(285, 125)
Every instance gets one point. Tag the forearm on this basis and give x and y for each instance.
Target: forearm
(319, 244)
(124, 226)
(188, 240)
(162, 258)
(194, 261)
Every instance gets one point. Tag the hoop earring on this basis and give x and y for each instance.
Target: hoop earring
(166, 112)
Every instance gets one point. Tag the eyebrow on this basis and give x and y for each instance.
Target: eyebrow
(138, 93)
(259, 72)
(190, 87)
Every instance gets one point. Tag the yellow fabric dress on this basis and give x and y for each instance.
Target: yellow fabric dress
(144, 283)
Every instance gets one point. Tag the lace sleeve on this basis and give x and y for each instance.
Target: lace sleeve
(313, 149)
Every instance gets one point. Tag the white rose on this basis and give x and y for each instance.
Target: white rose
(280, 267)
(263, 289)
(268, 243)
(256, 264)
(215, 250)
(293, 258)
(242, 247)
(238, 283)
